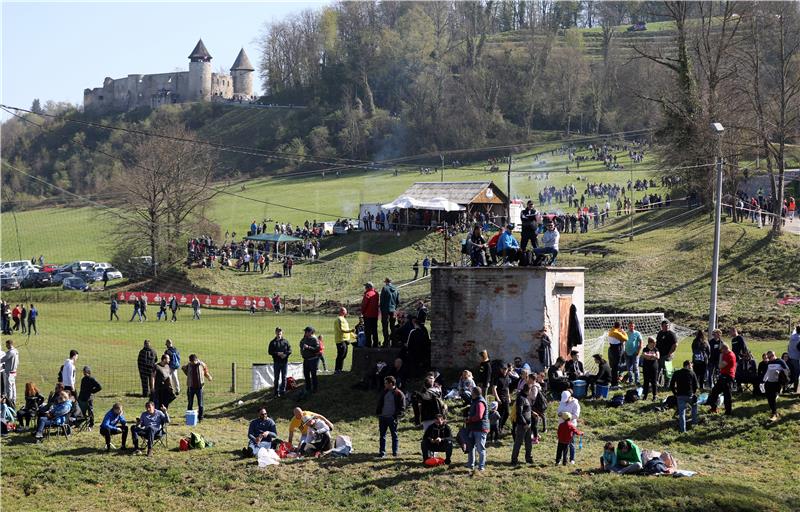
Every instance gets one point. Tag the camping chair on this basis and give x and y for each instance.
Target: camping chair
(60, 426)
(83, 422)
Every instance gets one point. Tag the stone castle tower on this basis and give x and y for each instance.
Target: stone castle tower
(199, 73)
(197, 84)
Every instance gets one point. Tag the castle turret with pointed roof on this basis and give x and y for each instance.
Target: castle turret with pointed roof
(197, 84)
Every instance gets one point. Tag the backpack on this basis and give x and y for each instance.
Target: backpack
(540, 403)
(196, 441)
(654, 466)
(631, 396)
(174, 359)
(617, 401)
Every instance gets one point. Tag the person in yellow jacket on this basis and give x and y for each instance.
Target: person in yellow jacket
(342, 335)
(616, 342)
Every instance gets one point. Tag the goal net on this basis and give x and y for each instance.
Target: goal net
(596, 327)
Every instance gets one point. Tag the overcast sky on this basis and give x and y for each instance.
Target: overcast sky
(54, 50)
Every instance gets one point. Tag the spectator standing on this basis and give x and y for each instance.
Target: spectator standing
(727, 376)
(701, 351)
(617, 338)
(196, 372)
(650, 358)
(114, 309)
(280, 350)
(477, 425)
(342, 335)
(528, 221)
(137, 312)
(713, 359)
(309, 349)
(174, 365)
(667, 344)
(566, 433)
(633, 347)
(794, 358)
(33, 315)
(162, 309)
(390, 407)
(522, 426)
(389, 301)
(161, 383)
(89, 386)
(105, 278)
(10, 365)
(738, 345)
(195, 308)
(426, 266)
(483, 376)
(684, 386)
(173, 307)
(146, 362)
(775, 377)
(143, 308)
(370, 311)
(415, 268)
(68, 371)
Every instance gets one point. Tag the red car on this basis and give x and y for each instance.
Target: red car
(49, 268)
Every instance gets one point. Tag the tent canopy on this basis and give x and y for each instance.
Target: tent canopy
(273, 237)
(436, 203)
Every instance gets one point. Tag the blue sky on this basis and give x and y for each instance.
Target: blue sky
(54, 50)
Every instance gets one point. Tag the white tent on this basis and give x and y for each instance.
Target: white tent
(437, 203)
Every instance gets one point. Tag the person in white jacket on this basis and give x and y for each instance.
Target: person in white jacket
(571, 405)
(549, 243)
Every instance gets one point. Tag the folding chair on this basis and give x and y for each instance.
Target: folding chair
(61, 427)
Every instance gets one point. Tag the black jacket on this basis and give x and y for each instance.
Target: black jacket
(523, 406)
(603, 374)
(399, 403)
(574, 369)
(438, 431)
(279, 345)
(309, 347)
(684, 382)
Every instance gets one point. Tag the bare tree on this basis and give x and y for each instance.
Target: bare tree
(166, 185)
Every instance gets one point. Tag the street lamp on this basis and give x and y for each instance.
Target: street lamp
(712, 312)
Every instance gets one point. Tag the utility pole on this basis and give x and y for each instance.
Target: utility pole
(442, 157)
(712, 311)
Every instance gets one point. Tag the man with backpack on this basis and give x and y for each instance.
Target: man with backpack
(174, 365)
(684, 386)
(427, 404)
(390, 407)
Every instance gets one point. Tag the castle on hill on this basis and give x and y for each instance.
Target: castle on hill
(197, 84)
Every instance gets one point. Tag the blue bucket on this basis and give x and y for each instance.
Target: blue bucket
(601, 391)
(579, 388)
(191, 418)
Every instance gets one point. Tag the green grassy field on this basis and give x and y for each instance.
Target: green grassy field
(66, 234)
(744, 463)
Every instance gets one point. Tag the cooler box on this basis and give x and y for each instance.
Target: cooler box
(191, 418)
(579, 388)
(601, 391)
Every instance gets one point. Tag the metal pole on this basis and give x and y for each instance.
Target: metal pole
(630, 200)
(712, 312)
(442, 157)
(508, 185)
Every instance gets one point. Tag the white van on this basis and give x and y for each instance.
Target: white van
(17, 268)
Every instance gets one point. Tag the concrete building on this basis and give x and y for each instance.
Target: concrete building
(200, 83)
(499, 309)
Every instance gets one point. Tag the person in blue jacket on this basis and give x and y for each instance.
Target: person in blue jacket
(507, 246)
(114, 423)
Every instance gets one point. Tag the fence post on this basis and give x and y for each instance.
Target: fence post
(233, 377)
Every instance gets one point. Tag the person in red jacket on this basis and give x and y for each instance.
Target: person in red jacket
(493, 246)
(369, 310)
(727, 375)
(566, 435)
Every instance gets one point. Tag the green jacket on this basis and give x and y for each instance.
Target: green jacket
(631, 456)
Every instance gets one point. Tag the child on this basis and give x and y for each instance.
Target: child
(494, 423)
(566, 438)
(322, 353)
(609, 458)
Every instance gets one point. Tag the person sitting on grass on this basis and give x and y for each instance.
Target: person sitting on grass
(609, 458)
(437, 438)
(60, 408)
(629, 458)
(114, 423)
(465, 385)
(317, 437)
(150, 424)
(262, 433)
(298, 423)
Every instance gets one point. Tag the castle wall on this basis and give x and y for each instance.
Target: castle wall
(221, 86)
(242, 84)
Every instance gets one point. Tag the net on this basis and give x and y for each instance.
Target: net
(596, 327)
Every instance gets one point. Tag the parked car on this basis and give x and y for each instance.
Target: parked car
(639, 26)
(50, 269)
(75, 283)
(37, 280)
(112, 274)
(345, 226)
(59, 277)
(86, 275)
(79, 265)
(102, 265)
(9, 283)
(18, 268)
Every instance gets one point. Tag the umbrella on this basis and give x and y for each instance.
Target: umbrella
(273, 237)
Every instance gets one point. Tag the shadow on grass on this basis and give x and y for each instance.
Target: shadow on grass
(376, 243)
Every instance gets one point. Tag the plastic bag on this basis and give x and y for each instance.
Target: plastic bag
(267, 457)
